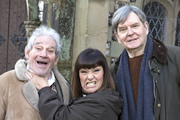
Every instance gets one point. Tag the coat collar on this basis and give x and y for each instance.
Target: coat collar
(29, 90)
(159, 51)
(20, 69)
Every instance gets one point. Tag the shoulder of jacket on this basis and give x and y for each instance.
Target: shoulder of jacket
(64, 85)
(115, 64)
(173, 53)
(7, 76)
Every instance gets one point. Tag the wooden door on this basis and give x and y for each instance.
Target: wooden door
(12, 32)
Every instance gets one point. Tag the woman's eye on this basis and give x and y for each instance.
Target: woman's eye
(96, 70)
(83, 71)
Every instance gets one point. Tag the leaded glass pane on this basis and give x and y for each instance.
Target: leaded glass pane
(155, 14)
(177, 43)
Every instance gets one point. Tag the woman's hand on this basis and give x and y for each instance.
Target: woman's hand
(38, 81)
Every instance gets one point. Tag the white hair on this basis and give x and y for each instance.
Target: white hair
(44, 30)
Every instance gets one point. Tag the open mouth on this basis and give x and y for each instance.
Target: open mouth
(42, 62)
(90, 84)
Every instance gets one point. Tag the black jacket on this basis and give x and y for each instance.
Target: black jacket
(165, 69)
(102, 105)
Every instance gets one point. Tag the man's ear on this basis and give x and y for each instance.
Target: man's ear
(56, 61)
(27, 52)
(117, 37)
(147, 27)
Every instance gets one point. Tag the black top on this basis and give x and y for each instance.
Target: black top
(102, 105)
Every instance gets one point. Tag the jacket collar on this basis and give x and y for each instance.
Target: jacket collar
(20, 69)
(29, 90)
(159, 51)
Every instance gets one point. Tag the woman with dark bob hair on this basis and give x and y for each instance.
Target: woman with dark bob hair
(91, 58)
(93, 91)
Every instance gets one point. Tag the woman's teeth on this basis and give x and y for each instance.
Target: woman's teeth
(91, 83)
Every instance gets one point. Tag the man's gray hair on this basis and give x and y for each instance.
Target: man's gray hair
(44, 30)
(122, 14)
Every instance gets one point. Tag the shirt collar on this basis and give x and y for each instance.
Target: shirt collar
(51, 79)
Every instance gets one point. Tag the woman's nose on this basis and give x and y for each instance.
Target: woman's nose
(90, 76)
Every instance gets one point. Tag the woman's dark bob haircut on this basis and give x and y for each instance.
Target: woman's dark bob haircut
(91, 58)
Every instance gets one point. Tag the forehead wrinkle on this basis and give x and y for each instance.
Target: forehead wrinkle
(37, 43)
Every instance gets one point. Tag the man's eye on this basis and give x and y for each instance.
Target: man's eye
(134, 26)
(122, 29)
(38, 48)
(51, 51)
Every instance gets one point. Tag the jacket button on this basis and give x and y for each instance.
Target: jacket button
(158, 71)
(156, 81)
(159, 46)
(159, 105)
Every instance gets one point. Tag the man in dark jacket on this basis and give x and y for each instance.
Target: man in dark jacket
(147, 72)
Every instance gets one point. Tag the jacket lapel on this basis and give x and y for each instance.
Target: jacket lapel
(29, 90)
(31, 94)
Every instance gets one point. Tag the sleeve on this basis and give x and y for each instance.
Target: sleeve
(178, 62)
(2, 99)
(175, 51)
(51, 108)
(114, 69)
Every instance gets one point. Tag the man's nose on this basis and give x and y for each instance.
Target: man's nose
(130, 31)
(43, 53)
